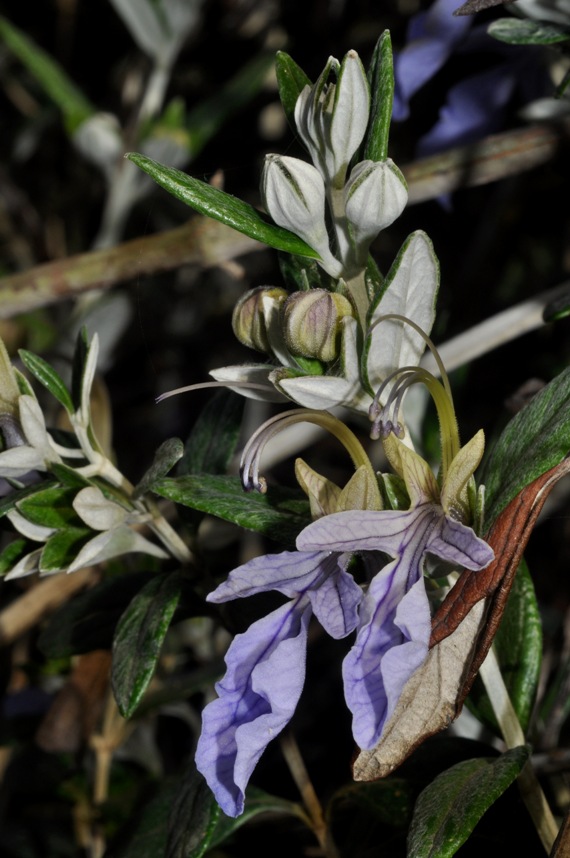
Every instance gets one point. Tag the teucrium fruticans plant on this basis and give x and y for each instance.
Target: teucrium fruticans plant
(360, 557)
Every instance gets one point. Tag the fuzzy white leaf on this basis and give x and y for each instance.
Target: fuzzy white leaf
(17, 461)
(113, 543)
(411, 291)
(27, 565)
(96, 510)
(37, 532)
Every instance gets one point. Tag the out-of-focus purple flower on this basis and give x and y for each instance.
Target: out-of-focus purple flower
(476, 105)
(266, 665)
(431, 39)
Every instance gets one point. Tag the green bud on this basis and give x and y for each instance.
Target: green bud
(312, 322)
(253, 316)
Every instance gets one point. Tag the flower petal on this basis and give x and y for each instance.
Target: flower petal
(365, 530)
(237, 377)
(290, 573)
(391, 644)
(257, 698)
(335, 603)
(458, 544)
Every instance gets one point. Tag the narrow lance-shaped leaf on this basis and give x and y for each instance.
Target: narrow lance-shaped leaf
(381, 80)
(49, 377)
(280, 514)
(139, 637)
(169, 452)
(448, 809)
(213, 439)
(536, 439)
(75, 107)
(291, 81)
(192, 819)
(222, 206)
(516, 32)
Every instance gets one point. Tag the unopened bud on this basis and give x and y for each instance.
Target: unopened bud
(294, 195)
(375, 195)
(312, 323)
(253, 314)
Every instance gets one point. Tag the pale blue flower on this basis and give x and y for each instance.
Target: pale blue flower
(266, 665)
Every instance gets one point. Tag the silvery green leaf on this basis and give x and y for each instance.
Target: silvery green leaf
(167, 455)
(159, 27)
(513, 31)
(61, 548)
(113, 543)
(221, 206)
(97, 511)
(35, 532)
(27, 565)
(50, 507)
(381, 80)
(48, 376)
(409, 289)
(291, 81)
(12, 554)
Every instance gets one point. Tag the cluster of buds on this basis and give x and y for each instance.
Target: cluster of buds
(336, 209)
(303, 324)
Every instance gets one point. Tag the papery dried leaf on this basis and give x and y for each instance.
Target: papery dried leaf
(463, 630)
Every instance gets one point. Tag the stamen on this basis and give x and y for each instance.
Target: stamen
(251, 385)
(385, 419)
(251, 455)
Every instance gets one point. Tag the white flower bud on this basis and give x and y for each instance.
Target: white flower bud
(312, 323)
(332, 117)
(251, 316)
(294, 195)
(375, 195)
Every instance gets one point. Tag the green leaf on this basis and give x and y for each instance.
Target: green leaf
(13, 552)
(535, 440)
(525, 32)
(88, 621)
(49, 377)
(192, 819)
(222, 206)
(169, 452)
(62, 548)
(291, 81)
(9, 502)
(207, 118)
(80, 356)
(381, 80)
(448, 809)
(518, 644)
(280, 514)
(51, 507)
(75, 107)
(213, 440)
(139, 637)
(256, 803)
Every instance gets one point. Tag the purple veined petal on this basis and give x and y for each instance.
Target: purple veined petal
(257, 698)
(390, 646)
(335, 603)
(458, 544)
(290, 573)
(368, 530)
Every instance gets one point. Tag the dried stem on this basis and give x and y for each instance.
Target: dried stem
(513, 735)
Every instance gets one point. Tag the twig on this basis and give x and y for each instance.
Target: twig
(205, 242)
(513, 735)
(42, 599)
